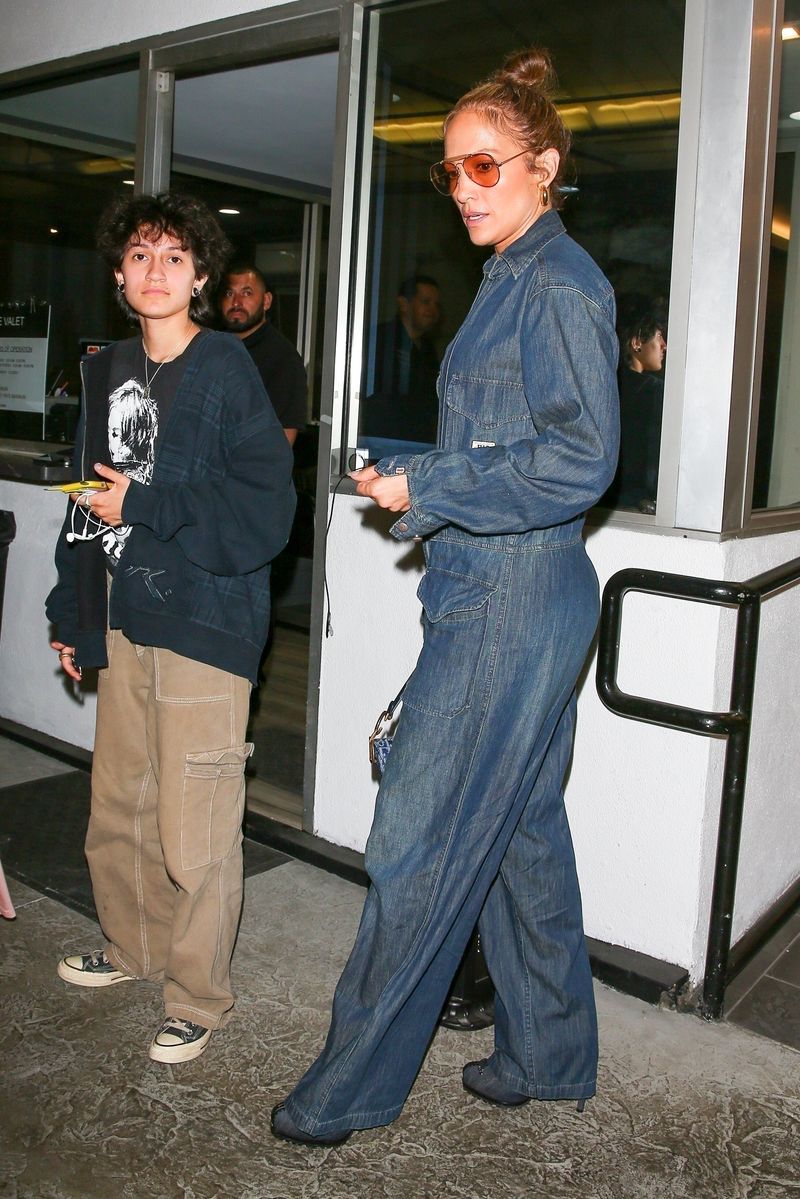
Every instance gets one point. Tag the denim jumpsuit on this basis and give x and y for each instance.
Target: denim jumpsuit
(470, 818)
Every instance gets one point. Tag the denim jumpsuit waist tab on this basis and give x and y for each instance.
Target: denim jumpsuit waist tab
(553, 537)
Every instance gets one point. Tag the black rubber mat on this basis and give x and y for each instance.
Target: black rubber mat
(42, 831)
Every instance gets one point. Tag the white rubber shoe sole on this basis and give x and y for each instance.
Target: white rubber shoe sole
(169, 1047)
(73, 969)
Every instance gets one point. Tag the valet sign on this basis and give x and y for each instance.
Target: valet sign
(24, 329)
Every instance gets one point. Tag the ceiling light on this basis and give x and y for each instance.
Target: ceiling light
(582, 116)
(789, 33)
(103, 166)
(129, 182)
(794, 116)
(52, 230)
(229, 211)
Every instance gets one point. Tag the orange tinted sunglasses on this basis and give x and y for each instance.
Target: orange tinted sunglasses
(480, 168)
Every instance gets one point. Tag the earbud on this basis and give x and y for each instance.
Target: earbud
(92, 526)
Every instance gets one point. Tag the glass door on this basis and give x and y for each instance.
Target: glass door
(256, 144)
(619, 95)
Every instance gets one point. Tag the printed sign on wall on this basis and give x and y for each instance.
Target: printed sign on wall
(24, 330)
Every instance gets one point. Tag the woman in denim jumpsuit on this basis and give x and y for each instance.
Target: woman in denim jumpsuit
(470, 818)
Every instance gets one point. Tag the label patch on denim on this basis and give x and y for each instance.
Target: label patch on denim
(483, 445)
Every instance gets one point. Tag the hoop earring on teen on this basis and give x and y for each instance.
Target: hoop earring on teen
(544, 195)
(195, 292)
(121, 286)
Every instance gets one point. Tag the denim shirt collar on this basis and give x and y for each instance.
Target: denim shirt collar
(520, 253)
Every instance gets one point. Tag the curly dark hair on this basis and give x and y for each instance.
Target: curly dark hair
(190, 221)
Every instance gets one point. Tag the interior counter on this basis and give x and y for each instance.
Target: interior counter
(33, 691)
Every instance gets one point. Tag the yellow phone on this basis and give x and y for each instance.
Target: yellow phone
(81, 485)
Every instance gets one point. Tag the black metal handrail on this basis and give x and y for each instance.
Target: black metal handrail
(734, 724)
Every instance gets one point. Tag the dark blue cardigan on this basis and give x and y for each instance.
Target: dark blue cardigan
(194, 573)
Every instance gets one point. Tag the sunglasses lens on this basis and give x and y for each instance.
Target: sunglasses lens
(482, 169)
(444, 177)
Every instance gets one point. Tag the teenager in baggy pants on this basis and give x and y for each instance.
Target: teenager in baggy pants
(164, 586)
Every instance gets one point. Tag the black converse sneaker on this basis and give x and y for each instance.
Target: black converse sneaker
(179, 1041)
(91, 970)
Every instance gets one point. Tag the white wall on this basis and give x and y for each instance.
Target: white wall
(770, 854)
(52, 29)
(33, 690)
(643, 800)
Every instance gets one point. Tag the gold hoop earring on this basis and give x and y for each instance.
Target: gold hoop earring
(544, 195)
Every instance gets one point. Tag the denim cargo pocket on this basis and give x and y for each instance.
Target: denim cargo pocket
(456, 612)
(213, 804)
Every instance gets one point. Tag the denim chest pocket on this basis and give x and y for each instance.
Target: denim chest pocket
(456, 609)
(494, 411)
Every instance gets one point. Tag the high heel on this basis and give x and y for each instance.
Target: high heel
(478, 1080)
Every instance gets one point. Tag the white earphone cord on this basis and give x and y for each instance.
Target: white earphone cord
(85, 534)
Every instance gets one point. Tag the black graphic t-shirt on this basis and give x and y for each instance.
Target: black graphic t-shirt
(136, 421)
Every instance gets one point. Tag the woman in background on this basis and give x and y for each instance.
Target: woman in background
(643, 345)
(470, 816)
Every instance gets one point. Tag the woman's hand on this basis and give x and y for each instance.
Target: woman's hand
(106, 505)
(66, 659)
(389, 491)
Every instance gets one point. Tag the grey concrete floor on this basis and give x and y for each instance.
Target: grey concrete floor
(683, 1108)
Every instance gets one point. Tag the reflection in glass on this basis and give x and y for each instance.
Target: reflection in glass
(776, 481)
(620, 96)
(402, 404)
(641, 328)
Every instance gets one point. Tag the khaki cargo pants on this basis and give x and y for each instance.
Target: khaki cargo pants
(164, 843)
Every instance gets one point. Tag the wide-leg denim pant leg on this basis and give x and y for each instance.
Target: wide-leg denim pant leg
(532, 934)
(506, 634)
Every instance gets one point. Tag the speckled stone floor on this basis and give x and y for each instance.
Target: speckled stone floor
(683, 1109)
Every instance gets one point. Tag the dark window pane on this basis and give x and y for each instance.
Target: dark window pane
(65, 152)
(620, 96)
(776, 481)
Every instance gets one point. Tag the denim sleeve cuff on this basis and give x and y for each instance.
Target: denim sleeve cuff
(411, 524)
(398, 464)
(414, 523)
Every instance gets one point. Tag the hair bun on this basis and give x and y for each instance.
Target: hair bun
(531, 68)
(516, 100)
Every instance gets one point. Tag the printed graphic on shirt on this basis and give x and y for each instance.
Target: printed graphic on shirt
(132, 433)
